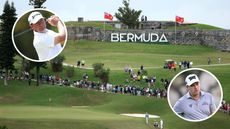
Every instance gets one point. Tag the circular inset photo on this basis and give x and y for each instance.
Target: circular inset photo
(195, 94)
(39, 35)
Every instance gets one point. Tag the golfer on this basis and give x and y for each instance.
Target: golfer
(196, 104)
(147, 118)
(47, 43)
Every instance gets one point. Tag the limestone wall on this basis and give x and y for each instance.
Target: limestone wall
(219, 39)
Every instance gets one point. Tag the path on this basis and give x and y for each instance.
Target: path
(194, 66)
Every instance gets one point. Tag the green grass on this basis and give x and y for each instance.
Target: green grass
(31, 95)
(95, 24)
(222, 73)
(118, 55)
(205, 26)
(195, 26)
(33, 110)
(26, 107)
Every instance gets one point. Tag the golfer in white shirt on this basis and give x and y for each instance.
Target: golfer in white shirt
(47, 43)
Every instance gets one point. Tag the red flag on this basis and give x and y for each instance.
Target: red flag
(179, 19)
(108, 16)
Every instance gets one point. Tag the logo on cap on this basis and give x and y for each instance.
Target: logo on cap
(34, 17)
(191, 78)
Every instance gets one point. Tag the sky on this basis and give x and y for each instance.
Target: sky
(212, 12)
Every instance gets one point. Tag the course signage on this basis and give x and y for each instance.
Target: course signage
(143, 37)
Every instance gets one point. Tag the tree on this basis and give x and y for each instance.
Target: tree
(101, 72)
(70, 71)
(28, 65)
(7, 50)
(56, 64)
(37, 3)
(96, 68)
(3, 127)
(128, 16)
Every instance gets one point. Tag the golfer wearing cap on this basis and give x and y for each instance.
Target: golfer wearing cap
(47, 43)
(196, 104)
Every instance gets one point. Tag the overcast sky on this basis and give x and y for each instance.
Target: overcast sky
(212, 12)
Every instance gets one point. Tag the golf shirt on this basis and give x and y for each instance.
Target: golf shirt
(45, 46)
(195, 109)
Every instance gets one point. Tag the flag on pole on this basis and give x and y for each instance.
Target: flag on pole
(179, 19)
(108, 16)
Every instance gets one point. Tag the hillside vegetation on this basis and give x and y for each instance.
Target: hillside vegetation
(95, 24)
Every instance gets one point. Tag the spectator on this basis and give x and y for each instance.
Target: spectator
(188, 64)
(85, 76)
(209, 61)
(180, 65)
(219, 60)
(142, 18)
(142, 68)
(174, 66)
(29, 81)
(78, 63)
(147, 118)
(155, 124)
(82, 63)
(146, 18)
(191, 63)
(161, 124)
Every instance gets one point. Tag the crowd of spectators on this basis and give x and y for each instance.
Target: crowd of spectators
(86, 83)
(185, 64)
(14, 74)
(225, 107)
(149, 91)
(109, 88)
(171, 65)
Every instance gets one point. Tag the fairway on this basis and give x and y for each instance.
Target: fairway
(46, 112)
(63, 117)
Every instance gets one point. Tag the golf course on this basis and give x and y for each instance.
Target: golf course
(62, 107)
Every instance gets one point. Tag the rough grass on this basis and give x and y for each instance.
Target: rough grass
(195, 26)
(95, 24)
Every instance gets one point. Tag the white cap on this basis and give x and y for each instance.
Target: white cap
(190, 79)
(34, 17)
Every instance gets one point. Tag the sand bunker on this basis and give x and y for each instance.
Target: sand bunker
(140, 115)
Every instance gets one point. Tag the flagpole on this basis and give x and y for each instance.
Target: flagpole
(109, 17)
(175, 30)
(104, 31)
